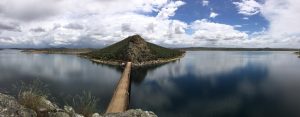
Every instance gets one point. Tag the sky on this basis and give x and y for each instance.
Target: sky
(170, 23)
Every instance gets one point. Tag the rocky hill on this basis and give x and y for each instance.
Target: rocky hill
(135, 49)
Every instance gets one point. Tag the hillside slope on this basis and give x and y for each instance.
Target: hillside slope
(135, 49)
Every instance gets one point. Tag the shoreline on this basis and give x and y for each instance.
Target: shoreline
(297, 54)
(116, 63)
(142, 64)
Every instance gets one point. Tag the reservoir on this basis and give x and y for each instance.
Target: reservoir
(202, 83)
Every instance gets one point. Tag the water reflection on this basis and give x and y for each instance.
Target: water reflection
(204, 83)
(138, 74)
(221, 84)
(65, 74)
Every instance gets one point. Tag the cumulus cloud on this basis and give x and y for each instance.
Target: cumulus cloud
(248, 7)
(237, 26)
(59, 23)
(29, 9)
(213, 14)
(6, 41)
(39, 29)
(10, 27)
(283, 30)
(74, 26)
(205, 2)
(169, 9)
(6, 38)
(97, 23)
(245, 18)
(283, 16)
(216, 33)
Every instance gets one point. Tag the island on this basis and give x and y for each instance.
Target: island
(136, 50)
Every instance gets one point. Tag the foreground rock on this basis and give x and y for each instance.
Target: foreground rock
(132, 113)
(10, 107)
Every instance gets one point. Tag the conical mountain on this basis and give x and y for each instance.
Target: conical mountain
(134, 49)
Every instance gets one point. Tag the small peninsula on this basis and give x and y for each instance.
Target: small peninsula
(136, 50)
(298, 53)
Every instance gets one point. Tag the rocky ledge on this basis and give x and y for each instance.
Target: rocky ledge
(10, 107)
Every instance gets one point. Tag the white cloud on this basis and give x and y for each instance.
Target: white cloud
(248, 7)
(237, 26)
(283, 16)
(213, 14)
(245, 18)
(29, 9)
(205, 2)
(216, 33)
(96, 23)
(74, 26)
(283, 29)
(169, 9)
(39, 29)
(9, 27)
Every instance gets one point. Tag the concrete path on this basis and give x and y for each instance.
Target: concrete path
(120, 99)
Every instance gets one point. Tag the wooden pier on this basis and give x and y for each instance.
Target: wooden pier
(120, 99)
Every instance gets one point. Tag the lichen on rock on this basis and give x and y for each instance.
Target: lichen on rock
(9, 107)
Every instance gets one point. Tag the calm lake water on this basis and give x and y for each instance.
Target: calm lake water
(203, 83)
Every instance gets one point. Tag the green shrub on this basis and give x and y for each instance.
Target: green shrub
(118, 51)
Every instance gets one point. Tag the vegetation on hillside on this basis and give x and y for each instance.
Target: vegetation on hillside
(113, 52)
(161, 52)
(134, 49)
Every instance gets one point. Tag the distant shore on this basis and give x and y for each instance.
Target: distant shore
(85, 50)
(235, 49)
(57, 51)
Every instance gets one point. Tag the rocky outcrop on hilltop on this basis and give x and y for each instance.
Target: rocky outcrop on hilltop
(137, 50)
(10, 107)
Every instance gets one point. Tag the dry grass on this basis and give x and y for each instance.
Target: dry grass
(85, 103)
(32, 95)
